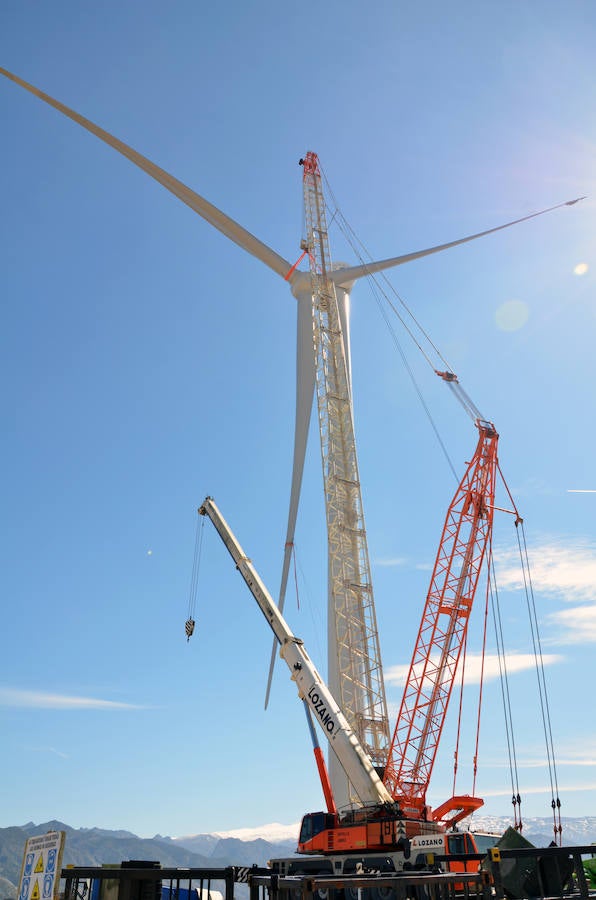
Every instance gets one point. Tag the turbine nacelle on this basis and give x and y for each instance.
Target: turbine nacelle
(341, 275)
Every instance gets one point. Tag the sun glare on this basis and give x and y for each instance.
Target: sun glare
(581, 269)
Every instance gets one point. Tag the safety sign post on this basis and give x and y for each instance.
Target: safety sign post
(42, 864)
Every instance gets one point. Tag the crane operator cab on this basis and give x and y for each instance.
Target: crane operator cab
(314, 824)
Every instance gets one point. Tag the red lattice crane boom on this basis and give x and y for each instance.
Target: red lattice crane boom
(442, 634)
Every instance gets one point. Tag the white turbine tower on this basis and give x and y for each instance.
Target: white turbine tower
(323, 364)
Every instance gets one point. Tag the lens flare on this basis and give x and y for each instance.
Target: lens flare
(512, 315)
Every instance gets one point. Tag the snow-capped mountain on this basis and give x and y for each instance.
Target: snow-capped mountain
(278, 838)
(272, 833)
(540, 830)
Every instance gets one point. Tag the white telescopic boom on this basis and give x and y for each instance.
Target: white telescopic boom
(311, 687)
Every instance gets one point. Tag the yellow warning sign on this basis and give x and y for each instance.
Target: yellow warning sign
(39, 866)
(35, 895)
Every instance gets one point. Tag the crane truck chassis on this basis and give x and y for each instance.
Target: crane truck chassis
(375, 837)
(414, 855)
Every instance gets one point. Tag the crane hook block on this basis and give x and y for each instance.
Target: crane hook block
(189, 628)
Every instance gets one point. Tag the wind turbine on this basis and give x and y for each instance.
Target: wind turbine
(323, 367)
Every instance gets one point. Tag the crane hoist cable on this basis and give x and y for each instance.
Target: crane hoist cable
(359, 248)
(539, 664)
(483, 660)
(506, 699)
(292, 546)
(480, 687)
(541, 679)
(411, 326)
(295, 575)
(459, 714)
(412, 377)
(189, 625)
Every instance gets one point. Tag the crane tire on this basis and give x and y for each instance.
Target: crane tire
(354, 893)
(382, 893)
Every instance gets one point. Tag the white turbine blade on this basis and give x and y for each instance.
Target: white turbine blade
(305, 387)
(210, 213)
(348, 275)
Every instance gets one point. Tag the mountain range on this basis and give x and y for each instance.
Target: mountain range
(244, 847)
(97, 846)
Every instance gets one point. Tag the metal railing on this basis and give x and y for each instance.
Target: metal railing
(413, 886)
(148, 882)
(548, 872)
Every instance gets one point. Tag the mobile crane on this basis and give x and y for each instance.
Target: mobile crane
(375, 835)
(311, 687)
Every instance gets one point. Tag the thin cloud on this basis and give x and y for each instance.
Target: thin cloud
(20, 699)
(515, 662)
(51, 750)
(539, 763)
(565, 572)
(545, 789)
(578, 624)
(570, 753)
(576, 753)
(536, 764)
(392, 561)
(533, 487)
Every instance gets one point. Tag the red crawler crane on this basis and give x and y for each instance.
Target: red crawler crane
(441, 636)
(393, 819)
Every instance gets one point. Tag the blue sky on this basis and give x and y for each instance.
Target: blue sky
(147, 362)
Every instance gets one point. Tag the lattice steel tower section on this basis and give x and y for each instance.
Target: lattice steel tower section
(354, 663)
(466, 536)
